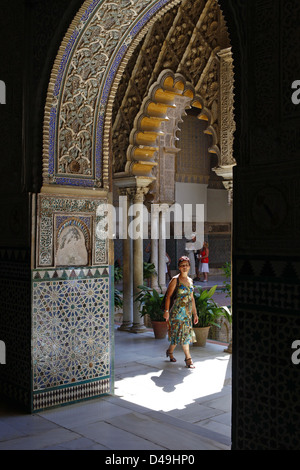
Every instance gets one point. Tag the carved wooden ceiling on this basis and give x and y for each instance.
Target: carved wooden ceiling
(186, 41)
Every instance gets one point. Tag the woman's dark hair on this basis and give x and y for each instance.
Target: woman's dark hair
(182, 259)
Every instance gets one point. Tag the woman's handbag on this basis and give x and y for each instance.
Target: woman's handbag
(172, 298)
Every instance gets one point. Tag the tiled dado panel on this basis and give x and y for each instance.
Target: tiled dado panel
(71, 335)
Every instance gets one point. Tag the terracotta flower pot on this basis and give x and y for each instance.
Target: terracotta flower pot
(201, 336)
(160, 329)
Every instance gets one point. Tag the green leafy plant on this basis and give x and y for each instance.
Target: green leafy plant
(149, 270)
(118, 299)
(208, 310)
(118, 274)
(150, 301)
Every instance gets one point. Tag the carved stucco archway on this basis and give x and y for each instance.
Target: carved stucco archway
(91, 129)
(76, 151)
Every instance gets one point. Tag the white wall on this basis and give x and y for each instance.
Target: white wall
(191, 193)
(218, 209)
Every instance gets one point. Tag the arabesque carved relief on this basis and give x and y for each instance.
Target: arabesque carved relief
(183, 36)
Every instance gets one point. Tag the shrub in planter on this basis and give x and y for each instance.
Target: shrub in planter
(208, 312)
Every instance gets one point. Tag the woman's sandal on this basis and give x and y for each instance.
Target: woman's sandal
(170, 355)
(189, 363)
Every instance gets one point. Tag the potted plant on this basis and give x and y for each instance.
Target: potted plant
(208, 312)
(150, 301)
(148, 272)
(118, 299)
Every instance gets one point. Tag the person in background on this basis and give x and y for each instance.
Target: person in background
(204, 259)
(196, 256)
(192, 248)
(168, 264)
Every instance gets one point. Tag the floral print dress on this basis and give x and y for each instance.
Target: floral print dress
(180, 329)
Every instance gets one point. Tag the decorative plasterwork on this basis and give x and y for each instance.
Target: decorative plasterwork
(185, 43)
(85, 215)
(170, 92)
(82, 83)
(86, 73)
(227, 123)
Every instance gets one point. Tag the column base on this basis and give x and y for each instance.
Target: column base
(229, 348)
(138, 328)
(126, 326)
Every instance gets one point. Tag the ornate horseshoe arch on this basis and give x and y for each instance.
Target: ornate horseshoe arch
(171, 91)
(155, 132)
(82, 87)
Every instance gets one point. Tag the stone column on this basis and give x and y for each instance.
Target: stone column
(162, 251)
(127, 264)
(138, 265)
(154, 246)
(229, 186)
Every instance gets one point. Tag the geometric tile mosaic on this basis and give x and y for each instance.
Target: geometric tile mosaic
(72, 394)
(70, 328)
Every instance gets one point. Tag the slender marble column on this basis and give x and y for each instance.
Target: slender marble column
(138, 264)
(127, 264)
(154, 247)
(162, 251)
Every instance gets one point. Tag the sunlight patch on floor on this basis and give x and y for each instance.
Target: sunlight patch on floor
(174, 387)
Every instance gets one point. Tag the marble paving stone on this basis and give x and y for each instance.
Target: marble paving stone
(224, 418)
(194, 411)
(83, 413)
(217, 427)
(222, 403)
(164, 435)
(115, 438)
(77, 444)
(28, 424)
(39, 441)
(191, 427)
(132, 370)
(224, 392)
(8, 432)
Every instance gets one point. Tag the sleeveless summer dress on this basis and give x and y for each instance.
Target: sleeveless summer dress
(180, 330)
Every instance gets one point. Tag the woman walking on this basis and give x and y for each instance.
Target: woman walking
(203, 257)
(182, 313)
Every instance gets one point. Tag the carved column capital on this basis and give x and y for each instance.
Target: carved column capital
(139, 194)
(229, 186)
